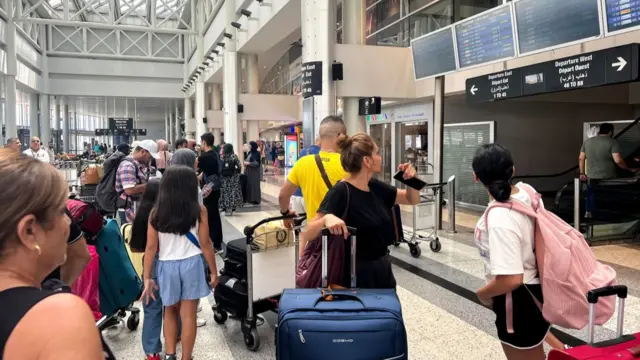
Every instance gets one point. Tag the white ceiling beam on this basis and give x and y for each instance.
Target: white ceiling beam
(108, 26)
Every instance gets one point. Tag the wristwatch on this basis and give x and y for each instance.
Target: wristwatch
(284, 213)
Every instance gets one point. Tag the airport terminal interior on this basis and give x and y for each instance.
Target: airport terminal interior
(429, 80)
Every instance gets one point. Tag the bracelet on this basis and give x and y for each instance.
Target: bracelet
(284, 213)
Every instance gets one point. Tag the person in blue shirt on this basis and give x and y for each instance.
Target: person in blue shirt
(297, 201)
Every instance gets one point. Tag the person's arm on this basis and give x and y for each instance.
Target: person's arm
(206, 246)
(284, 197)
(129, 179)
(150, 287)
(78, 257)
(74, 335)
(619, 160)
(581, 164)
(505, 262)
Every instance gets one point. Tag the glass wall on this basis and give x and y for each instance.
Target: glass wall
(396, 22)
(412, 146)
(381, 134)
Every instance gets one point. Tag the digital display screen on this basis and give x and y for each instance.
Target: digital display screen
(433, 54)
(543, 24)
(622, 14)
(485, 38)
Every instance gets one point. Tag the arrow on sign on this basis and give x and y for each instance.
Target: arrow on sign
(473, 89)
(620, 64)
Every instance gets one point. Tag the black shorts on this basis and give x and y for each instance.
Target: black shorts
(530, 327)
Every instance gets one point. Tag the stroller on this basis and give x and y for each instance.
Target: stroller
(244, 292)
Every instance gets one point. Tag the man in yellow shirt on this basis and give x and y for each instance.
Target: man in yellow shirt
(307, 176)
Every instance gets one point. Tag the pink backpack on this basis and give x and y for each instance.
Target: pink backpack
(567, 267)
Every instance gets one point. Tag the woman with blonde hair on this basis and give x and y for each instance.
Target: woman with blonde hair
(36, 323)
(164, 156)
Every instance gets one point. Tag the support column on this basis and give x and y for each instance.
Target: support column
(45, 120)
(176, 117)
(438, 142)
(318, 40)
(34, 122)
(11, 122)
(232, 125)
(171, 125)
(65, 125)
(353, 31)
(216, 105)
(200, 111)
(189, 120)
(166, 123)
(253, 87)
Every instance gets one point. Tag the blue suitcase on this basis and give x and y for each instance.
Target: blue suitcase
(120, 285)
(356, 324)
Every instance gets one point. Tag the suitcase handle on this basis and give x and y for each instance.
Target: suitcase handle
(594, 295)
(352, 231)
(352, 252)
(592, 298)
(333, 295)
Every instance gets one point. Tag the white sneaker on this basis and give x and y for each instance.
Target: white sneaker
(199, 306)
(200, 322)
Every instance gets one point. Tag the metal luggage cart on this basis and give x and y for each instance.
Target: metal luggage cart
(262, 301)
(423, 220)
(70, 171)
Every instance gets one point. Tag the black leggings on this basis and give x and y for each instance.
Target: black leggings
(215, 224)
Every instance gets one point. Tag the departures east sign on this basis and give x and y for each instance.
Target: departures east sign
(611, 66)
(311, 78)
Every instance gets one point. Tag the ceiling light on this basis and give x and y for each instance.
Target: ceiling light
(210, 57)
(245, 12)
(221, 44)
(228, 36)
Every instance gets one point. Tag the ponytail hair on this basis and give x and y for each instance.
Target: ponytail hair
(493, 166)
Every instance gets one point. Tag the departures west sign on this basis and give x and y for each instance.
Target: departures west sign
(605, 67)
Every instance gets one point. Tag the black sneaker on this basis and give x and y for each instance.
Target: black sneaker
(170, 357)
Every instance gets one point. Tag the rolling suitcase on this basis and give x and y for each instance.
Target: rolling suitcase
(120, 285)
(623, 347)
(349, 324)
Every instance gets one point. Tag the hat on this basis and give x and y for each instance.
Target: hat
(150, 146)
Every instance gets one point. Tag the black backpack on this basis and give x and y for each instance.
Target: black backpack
(229, 167)
(106, 195)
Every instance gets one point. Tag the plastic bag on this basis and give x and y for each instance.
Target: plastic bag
(87, 285)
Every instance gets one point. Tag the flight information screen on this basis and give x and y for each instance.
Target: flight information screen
(433, 54)
(485, 38)
(622, 14)
(543, 24)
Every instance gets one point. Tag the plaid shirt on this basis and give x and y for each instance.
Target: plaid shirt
(129, 174)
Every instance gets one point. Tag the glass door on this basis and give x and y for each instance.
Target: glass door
(381, 134)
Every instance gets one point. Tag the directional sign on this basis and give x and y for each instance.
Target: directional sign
(120, 132)
(121, 123)
(311, 78)
(605, 67)
(370, 106)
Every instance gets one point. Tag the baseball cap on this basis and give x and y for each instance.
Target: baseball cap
(150, 146)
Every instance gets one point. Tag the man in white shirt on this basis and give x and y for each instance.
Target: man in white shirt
(35, 151)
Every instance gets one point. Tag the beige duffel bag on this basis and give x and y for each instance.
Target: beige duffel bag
(273, 235)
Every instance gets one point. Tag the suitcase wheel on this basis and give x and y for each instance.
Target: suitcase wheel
(220, 317)
(252, 340)
(133, 321)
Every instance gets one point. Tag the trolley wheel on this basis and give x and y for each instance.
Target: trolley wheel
(415, 250)
(252, 340)
(133, 321)
(396, 243)
(220, 317)
(435, 245)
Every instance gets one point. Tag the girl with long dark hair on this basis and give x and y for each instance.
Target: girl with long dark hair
(505, 239)
(178, 232)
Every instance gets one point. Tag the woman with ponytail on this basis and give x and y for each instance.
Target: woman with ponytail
(368, 204)
(505, 239)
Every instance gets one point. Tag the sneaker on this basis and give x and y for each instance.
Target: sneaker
(199, 306)
(201, 322)
(153, 357)
(170, 357)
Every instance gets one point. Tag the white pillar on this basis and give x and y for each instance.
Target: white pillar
(171, 126)
(176, 117)
(34, 122)
(189, 121)
(65, 125)
(253, 130)
(200, 112)
(11, 122)
(45, 120)
(253, 87)
(318, 40)
(216, 105)
(353, 31)
(167, 126)
(232, 125)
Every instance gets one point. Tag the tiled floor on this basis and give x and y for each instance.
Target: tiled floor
(437, 291)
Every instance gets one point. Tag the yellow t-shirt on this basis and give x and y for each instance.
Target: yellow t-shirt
(306, 175)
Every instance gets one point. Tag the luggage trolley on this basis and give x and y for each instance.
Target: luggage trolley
(259, 299)
(423, 219)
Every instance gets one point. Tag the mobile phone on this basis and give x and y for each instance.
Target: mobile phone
(412, 183)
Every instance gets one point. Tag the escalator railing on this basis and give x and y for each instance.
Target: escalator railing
(616, 199)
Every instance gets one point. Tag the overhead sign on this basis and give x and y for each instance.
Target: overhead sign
(605, 67)
(622, 14)
(311, 78)
(120, 132)
(120, 123)
(485, 37)
(370, 106)
(433, 54)
(543, 24)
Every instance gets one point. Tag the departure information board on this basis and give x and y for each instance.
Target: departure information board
(485, 38)
(433, 54)
(622, 14)
(542, 24)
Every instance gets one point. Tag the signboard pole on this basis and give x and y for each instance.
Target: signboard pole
(438, 142)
